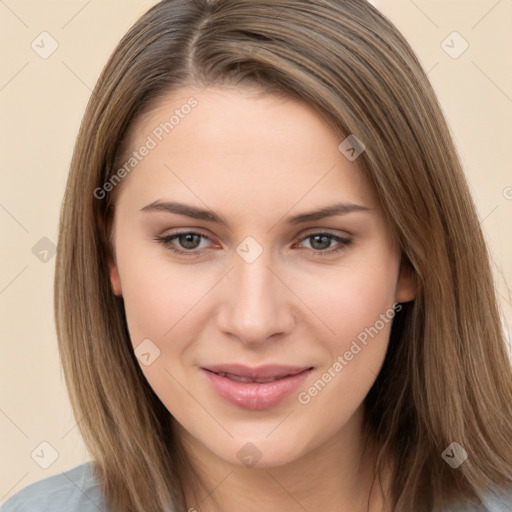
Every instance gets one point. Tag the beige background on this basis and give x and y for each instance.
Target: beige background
(41, 104)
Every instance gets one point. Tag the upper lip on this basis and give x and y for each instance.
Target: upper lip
(261, 372)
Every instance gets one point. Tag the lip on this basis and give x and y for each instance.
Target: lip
(255, 395)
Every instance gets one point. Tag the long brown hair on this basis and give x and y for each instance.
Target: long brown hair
(447, 375)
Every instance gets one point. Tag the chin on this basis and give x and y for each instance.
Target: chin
(262, 453)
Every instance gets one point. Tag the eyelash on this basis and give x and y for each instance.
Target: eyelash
(167, 239)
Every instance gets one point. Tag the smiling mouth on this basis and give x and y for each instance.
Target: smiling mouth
(266, 373)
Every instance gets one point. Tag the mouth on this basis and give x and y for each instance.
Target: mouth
(255, 388)
(239, 378)
(265, 373)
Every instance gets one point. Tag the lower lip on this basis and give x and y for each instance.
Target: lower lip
(254, 395)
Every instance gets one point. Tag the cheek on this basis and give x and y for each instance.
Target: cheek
(159, 297)
(162, 304)
(349, 299)
(358, 307)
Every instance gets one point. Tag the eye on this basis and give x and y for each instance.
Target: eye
(188, 240)
(320, 243)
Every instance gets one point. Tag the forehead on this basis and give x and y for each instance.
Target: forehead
(238, 143)
(246, 117)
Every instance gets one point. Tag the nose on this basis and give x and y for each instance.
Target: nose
(257, 304)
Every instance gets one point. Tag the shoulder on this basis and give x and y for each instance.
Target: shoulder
(499, 502)
(493, 502)
(74, 490)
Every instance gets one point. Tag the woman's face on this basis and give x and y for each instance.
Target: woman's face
(261, 281)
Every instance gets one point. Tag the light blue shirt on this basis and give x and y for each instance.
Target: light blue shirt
(76, 490)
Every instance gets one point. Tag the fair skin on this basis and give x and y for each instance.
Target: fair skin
(256, 161)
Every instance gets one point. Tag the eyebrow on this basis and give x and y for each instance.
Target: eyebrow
(210, 216)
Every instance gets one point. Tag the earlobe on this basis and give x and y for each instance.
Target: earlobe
(407, 284)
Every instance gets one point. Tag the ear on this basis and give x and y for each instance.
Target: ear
(114, 277)
(108, 234)
(406, 286)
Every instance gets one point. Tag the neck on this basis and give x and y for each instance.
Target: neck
(333, 477)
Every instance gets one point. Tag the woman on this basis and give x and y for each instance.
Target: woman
(272, 290)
